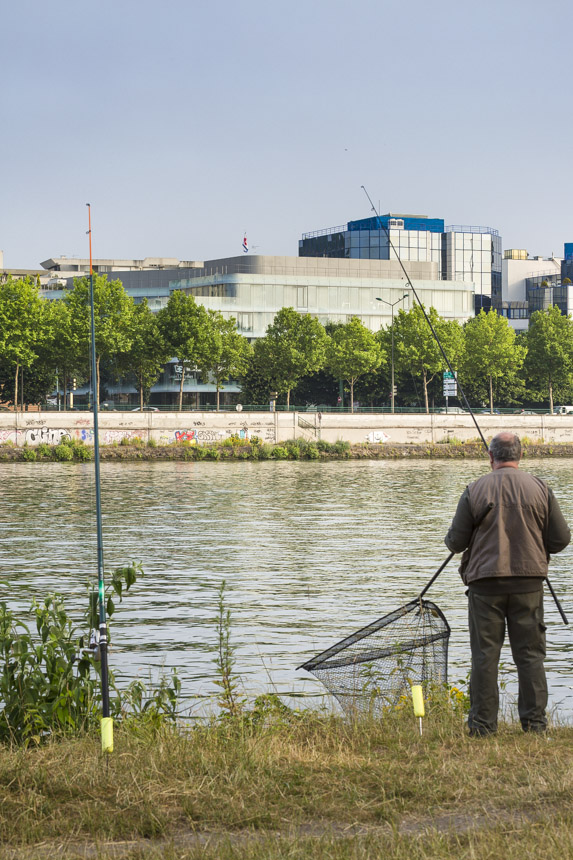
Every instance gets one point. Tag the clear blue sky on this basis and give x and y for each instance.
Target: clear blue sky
(186, 123)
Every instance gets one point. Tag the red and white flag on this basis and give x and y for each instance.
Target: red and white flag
(245, 245)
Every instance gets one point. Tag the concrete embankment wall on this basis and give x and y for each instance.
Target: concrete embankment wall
(164, 428)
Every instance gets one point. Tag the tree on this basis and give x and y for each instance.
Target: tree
(21, 320)
(184, 326)
(549, 350)
(148, 351)
(227, 352)
(294, 345)
(415, 347)
(492, 351)
(353, 351)
(112, 312)
(67, 353)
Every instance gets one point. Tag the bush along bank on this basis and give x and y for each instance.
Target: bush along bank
(233, 448)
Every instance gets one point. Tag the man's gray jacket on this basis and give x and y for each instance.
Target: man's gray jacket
(516, 537)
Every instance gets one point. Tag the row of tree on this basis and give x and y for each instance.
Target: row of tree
(50, 338)
(297, 354)
(492, 362)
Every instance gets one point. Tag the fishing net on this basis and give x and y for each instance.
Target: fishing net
(373, 669)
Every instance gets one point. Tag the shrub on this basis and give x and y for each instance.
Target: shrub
(262, 452)
(256, 440)
(312, 451)
(233, 441)
(292, 449)
(199, 452)
(324, 446)
(63, 452)
(44, 450)
(212, 453)
(135, 441)
(151, 443)
(83, 453)
(279, 453)
(341, 448)
(29, 454)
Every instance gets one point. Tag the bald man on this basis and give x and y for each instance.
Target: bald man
(504, 564)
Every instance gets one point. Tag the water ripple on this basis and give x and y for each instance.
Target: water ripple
(310, 552)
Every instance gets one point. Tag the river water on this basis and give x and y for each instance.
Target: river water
(310, 552)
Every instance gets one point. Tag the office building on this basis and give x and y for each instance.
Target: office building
(530, 284)
(467, 254)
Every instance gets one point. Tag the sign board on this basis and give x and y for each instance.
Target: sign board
(450, 383)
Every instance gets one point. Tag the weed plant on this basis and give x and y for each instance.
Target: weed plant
(50, 683)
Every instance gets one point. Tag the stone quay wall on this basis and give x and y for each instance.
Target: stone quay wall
(165, 428)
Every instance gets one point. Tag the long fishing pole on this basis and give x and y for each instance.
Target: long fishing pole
(428, 320)
(106, 721)
(446, 359)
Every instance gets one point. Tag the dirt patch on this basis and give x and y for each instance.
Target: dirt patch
(446, 822)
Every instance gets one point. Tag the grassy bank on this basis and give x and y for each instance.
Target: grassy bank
(300, 449)
(303, 786)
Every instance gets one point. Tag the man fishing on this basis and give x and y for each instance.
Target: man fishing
(504, 564)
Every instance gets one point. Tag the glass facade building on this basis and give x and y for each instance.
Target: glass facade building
(544, 291)
(468, 254)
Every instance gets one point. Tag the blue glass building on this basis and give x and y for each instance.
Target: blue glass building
(462, 253)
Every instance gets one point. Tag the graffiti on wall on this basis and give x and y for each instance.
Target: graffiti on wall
(195, 436)
(377, 437)
(111, 436)
(45, 434)
(86, 436)
(185, 436)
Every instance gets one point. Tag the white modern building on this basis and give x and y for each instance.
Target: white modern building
(528, 284)
(254, 289)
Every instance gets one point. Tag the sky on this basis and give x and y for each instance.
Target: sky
(187, 124)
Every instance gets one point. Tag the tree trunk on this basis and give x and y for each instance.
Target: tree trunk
(96, 393)
(16, 388)
(425, 381)
(217, 395)
(288, 399)
(181, 388)
(551, 396)
(65, 387)
(141, 394)
(352, 395)
(490, 396)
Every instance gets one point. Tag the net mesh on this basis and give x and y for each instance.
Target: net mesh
(373, 669)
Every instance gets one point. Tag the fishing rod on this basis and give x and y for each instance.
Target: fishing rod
(427, 318)
(450, 368)
(106, 723)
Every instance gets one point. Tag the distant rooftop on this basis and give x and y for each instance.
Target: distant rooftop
(80, 264)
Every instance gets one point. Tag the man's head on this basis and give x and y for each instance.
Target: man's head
(505, 450)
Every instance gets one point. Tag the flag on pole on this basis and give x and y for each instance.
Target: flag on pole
(245, 245)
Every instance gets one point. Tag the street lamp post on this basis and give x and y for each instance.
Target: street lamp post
(391, 304)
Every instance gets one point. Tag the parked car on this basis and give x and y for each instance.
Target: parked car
(145, 409)
(563, 410)
(452, 410)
